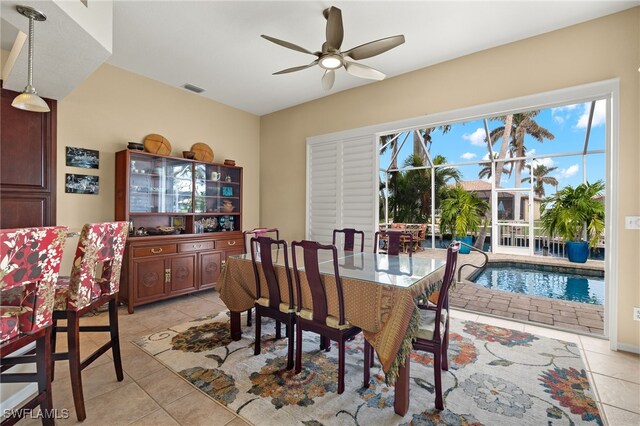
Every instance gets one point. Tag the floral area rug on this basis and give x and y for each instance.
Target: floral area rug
(496, 377)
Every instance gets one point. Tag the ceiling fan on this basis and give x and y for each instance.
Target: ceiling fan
(330, 58)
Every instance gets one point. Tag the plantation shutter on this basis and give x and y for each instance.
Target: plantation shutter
(342, 188)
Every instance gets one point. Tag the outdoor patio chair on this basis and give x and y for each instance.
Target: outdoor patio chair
(318, 319)
(433, 331)
(393, 241)
(100, 247)
(272, 306)
(349, 238)
(30, 259)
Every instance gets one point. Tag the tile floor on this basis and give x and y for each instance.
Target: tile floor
(151, 394)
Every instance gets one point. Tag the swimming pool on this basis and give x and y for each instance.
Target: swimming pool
(573, 284)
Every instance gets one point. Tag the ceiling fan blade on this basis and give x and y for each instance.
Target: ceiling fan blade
(287, 44)
(335, 29)
(364, 71)
(328, 79)
(294, 69)
(374, 48)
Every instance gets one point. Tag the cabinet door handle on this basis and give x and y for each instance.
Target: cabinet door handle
(197, 246)
(156, 250)
(223, 262)
(167, 275)
(231, 243)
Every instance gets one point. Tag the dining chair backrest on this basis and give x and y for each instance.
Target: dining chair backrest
(349, 238)
(258, 232)
(314, 280)
(394, 241)
(447, 280)
(100, 245)
(266, 246)
(30, 260)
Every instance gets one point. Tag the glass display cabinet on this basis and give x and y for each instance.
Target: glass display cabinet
(185, 220)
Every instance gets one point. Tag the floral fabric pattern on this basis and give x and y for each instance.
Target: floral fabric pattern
(488, 382)
(319, 376)
(504, 336)
(568, 386)
(29, 264)
(99, 243)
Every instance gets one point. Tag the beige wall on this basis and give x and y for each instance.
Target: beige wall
(597, 50)
(114, 106)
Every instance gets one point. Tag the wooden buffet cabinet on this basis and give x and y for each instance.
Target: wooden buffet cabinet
(203, 200)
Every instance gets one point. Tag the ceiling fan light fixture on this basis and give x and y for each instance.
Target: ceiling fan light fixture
(29, 100)
(331, 62)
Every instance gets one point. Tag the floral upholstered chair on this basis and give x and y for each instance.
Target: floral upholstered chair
(100, 248)
(29, 264)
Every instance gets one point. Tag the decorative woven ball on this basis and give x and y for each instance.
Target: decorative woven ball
(157, 144)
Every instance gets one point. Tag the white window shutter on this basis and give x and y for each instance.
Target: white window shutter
(342, 188)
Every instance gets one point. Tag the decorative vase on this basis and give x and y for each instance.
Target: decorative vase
(577, 251)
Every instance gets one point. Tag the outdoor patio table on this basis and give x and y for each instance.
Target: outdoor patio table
(379, 293)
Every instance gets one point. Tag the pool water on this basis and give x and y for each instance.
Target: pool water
(586, 286)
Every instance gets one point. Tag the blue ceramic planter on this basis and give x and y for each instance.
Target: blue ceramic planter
(577, 251)
(467, 240)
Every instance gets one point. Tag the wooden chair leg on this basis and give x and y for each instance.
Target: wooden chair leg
(249, 317)
(298, 349)
(43, 368)
(445, 350)
(278, 331)
(73, 339)
(437, 376)
(256, 345)
(340, 366)
(290, 336)
(367, 363)
(54, 333)
(115, 338)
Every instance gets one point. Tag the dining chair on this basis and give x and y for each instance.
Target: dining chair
(394, 240)
(256, 232)
(30, 259)
(94, 282)
(272, 306)
(317, 319)
(433, 332)
(349, 238)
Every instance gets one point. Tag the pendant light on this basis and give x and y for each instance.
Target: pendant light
(29, 100)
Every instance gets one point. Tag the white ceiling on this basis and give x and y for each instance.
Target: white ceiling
(216, 45)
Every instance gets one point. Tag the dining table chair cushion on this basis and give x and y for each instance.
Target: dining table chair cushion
(331, 321)
(427, 324)
(284, 307)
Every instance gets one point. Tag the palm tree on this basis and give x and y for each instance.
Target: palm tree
(485, 172)
(522, 124)
(540, 173)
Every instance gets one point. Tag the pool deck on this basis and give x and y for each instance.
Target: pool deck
(573, 316)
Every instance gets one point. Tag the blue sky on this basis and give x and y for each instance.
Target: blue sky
(464, 143)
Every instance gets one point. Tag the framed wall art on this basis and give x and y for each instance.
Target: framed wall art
(81, 184)
(81, 157)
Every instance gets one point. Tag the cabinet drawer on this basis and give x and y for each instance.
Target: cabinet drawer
(196, 246)
(154, 250)
(227, 244)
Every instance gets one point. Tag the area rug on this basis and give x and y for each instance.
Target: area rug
(496, 377)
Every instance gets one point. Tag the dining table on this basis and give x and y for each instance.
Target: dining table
(379, 291)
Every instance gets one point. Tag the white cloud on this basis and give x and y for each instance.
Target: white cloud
(599, 114)
(568, 172)
(563, 113)
(476, 138)
(548, 162)
(486, 156)
(468, 156)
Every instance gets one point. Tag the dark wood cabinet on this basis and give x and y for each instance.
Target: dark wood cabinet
(27, 165)
(201, 200)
